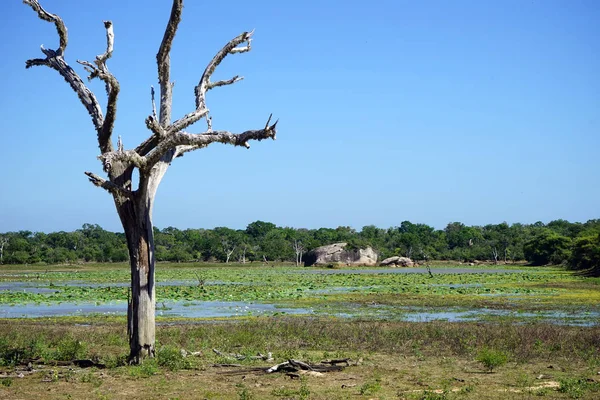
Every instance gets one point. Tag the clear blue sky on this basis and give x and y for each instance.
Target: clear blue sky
(428, 111)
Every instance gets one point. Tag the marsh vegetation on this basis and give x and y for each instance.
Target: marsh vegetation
(406, 334)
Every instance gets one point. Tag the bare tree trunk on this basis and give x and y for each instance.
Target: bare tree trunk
(495, 255)
(228, 253)
(298, 249)
(3, 242)
(136, 218)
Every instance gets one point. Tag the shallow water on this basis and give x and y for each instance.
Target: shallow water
(196, 309)
(224, 309)
(48, 287)
(576, 317)
(27, 287)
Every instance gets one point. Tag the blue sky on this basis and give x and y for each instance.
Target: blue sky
(428, 111)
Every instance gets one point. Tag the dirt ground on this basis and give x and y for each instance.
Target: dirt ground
(377, 376)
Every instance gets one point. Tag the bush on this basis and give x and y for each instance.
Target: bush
(586, 254)
(12, 354)
(492, 358)
(547, 247)
(171, 358)
(577, 387)
(69, 349)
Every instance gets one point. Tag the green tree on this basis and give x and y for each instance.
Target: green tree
(547, 247)
(259, 229)
(586, 255)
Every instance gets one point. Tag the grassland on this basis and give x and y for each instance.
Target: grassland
(389, 358)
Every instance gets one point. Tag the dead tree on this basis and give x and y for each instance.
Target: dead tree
(3, 243)
(495, 254)
(299, 250)
(168, 139)
(228, 249)
(242, 258)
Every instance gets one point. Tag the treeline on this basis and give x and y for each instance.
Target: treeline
(576, 244)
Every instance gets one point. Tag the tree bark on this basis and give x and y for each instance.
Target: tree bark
(137, 224)
(3, 242)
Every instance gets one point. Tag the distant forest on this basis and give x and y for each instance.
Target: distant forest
(558, 242)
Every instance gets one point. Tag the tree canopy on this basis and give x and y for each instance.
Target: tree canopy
(558, 242)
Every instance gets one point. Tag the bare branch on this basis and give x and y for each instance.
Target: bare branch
(233, 80)
(153, 103)
(187, 120)
(100, 70)
(36, 62)
(109, 186)
(269, 121)
(153, 124)
(204, 139)
(46, 16)
(127, 156)
(205, 84)
(181, 150)
(229, 48)
(110, 41)
(87, 98)
(147, 145)
(164, 63)
(54, 59)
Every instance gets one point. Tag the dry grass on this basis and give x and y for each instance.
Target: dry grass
(395, 360)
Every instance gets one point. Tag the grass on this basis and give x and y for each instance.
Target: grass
(390, 358)
(384, 361)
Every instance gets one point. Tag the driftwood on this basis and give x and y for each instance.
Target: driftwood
(292, 368)
(184, 353)
(88, 364)
(237, 356)
(61, 363)
(226, 365)
(278, 367)
(337, 361)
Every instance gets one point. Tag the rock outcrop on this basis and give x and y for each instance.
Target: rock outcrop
(397, 262)
(337, 253)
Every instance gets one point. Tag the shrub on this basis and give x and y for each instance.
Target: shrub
(171, 358)
(491, 358)
(69, 349)
(577, 387)
(586, 254)
(547, 247)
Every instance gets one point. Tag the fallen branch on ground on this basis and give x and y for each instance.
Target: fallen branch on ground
(240, 357)
(295, 366)
(291, 367)
(337, 361)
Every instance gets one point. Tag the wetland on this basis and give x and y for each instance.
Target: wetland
(407, 334)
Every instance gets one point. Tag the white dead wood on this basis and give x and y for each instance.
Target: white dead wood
(152, 157)
(299, 250)
(3, 242)
(495, 254)
(277, 367)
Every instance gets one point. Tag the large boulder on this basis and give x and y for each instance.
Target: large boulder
(397, 262)
(337, 253)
